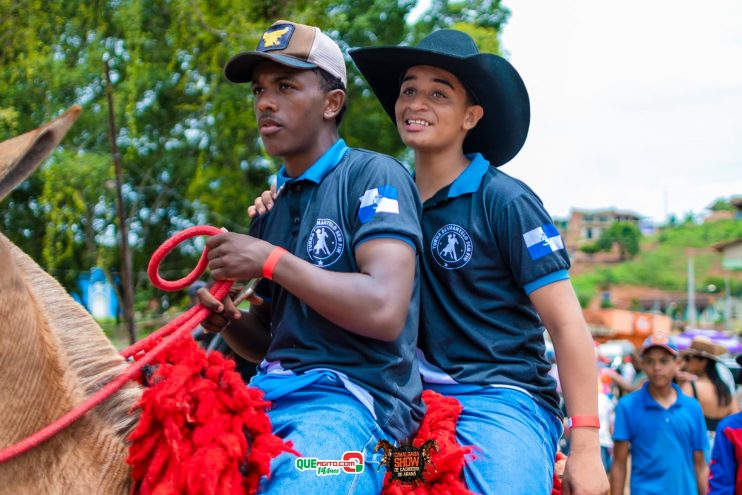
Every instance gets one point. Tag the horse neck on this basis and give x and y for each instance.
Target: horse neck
(32, 377)
(51, 358)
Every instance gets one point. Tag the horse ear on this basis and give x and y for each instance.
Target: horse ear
(21, 155)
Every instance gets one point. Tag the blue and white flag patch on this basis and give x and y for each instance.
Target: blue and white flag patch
(378, 200)
(542, 241)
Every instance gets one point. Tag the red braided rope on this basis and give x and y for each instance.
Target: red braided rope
(177, 328)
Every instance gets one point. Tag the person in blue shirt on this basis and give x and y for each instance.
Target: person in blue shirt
(494, 268)
(662, 428)
(726, 470)
(336, 333)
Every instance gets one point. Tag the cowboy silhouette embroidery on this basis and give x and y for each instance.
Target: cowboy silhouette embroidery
(450, 249)
(321, 245)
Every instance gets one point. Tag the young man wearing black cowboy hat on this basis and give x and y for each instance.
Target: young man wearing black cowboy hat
(338, 259)
(495, 270)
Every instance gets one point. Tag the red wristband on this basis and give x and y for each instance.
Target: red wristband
(583, 422)
(271, 261)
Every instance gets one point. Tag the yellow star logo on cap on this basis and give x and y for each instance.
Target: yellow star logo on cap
(272, 38)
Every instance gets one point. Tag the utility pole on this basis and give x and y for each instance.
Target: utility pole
(665, 208)
(727, 303)
(126, 272)
(691, 294)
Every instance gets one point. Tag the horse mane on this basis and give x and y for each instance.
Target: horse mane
(89, 359)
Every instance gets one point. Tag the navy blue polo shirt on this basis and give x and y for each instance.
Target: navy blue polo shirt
(347, 197)
(489, 243)
(662, 441)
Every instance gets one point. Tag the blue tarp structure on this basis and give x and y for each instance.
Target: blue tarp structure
(731, 342)
(97, 294)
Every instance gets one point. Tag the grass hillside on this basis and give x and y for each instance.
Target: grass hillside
(663, 260)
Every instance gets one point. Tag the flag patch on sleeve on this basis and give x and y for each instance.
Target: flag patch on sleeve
(378, 200)
(542, 241)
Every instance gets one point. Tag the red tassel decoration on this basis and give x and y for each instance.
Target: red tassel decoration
(446, 478)
(201, 430)
(561, 459)
(439, 424)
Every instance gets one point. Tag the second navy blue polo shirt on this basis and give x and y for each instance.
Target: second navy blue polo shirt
(489, 244)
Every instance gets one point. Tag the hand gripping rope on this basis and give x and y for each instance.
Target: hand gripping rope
(144, 351)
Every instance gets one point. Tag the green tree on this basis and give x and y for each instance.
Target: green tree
(591, 248)
(77, 200)
(625, 234)
(722, 204)
(187, 137)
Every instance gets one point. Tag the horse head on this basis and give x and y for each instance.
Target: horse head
(53, 355)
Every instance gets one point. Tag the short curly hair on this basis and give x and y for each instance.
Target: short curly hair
(330, 83)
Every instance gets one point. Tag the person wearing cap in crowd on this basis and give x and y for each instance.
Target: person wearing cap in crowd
(338, 259)
(726, 455)
(494, 267)
(717, 400)
(662, 428)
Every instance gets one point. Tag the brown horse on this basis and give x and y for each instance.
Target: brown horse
(53, 355)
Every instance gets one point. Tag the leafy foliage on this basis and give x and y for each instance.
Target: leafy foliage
(591, 248)
(187, 137)
(722, 204)
(624, 234)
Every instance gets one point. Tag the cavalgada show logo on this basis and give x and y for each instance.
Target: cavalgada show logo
(406, 463)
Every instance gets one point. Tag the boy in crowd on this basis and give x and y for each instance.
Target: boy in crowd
(663, 429)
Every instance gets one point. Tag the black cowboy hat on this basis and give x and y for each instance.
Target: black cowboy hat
(491, 80)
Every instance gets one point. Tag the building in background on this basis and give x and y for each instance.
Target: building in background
(725, 210)
(585, 226)
(731, 254)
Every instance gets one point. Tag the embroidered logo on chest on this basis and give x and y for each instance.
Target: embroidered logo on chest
(326, 243)
(451, 247)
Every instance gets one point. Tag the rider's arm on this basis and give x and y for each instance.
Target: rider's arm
(372, 303)
(560, 311)
(246, 332)
(249, 335)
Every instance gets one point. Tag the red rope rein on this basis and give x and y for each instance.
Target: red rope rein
(147, 349)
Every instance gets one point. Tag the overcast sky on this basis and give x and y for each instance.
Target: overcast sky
(634, 104)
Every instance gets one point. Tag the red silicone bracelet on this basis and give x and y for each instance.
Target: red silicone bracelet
(271, 261)
(583, 422)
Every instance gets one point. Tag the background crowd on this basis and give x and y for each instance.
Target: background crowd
(680, 425)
